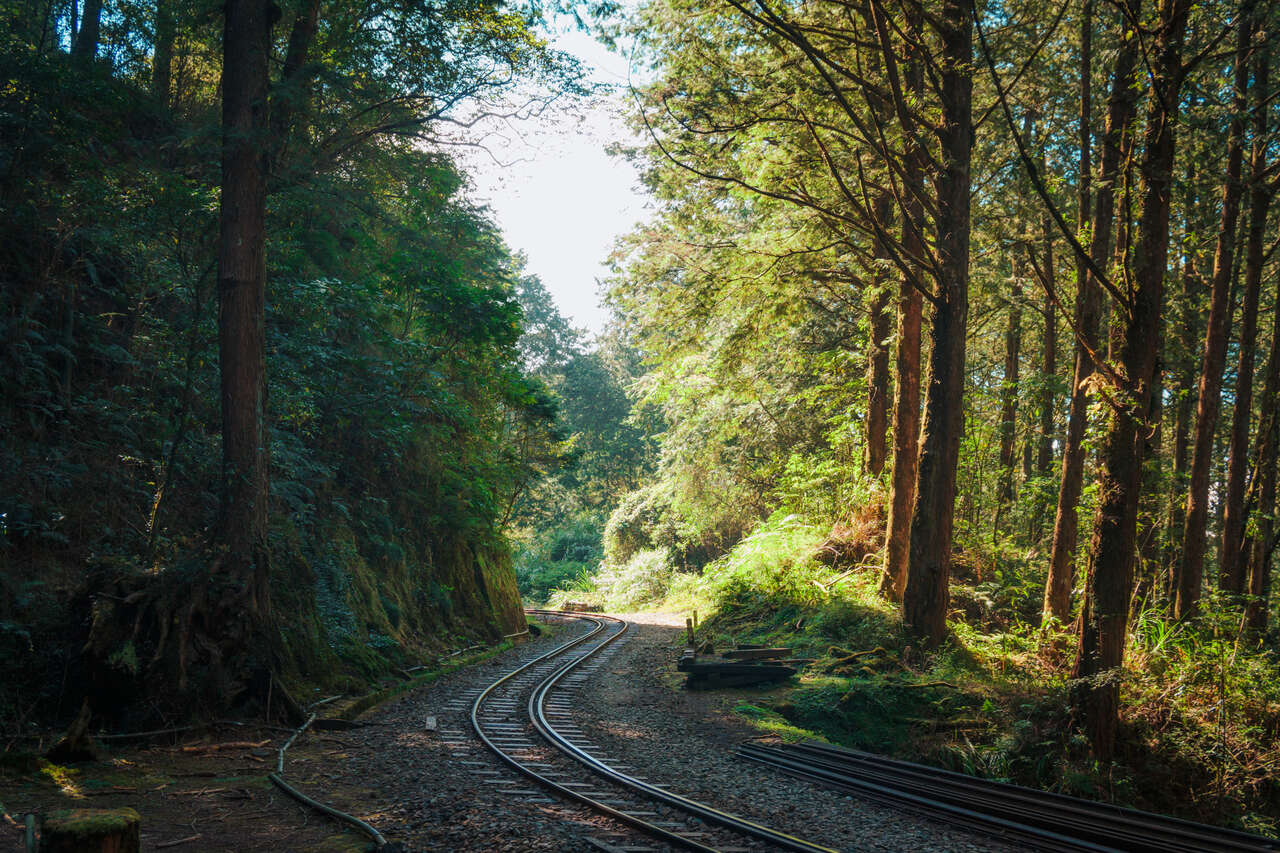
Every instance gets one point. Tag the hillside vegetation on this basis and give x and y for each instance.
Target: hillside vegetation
(393, 383)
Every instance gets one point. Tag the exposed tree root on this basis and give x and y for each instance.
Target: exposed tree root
(182, 644)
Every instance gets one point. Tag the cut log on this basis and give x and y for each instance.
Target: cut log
(701, 667)
(91, 831)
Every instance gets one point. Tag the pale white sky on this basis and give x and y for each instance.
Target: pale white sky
(558, 197)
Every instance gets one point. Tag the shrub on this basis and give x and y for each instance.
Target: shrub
(644, 520)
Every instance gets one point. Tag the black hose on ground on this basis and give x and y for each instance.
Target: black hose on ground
(277, 779)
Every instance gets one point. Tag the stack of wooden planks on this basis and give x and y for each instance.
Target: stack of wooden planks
(738, 667)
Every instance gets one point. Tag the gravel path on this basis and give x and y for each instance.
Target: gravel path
(440, 790)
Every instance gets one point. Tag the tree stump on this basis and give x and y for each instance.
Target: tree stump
(90, 831)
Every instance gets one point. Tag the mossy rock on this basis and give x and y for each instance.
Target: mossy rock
(91, 831)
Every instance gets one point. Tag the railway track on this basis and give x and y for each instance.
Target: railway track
(1039, 819)
(525, 719)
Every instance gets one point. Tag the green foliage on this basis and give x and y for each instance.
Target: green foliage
(776, 562)
(557, 557)
(586, 454)
(643, 520)
(643, 580)
(392, 325)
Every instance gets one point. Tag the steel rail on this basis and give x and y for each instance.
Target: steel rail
(1051, 821)
(569, 793)
(906, 801)
(537, 712)
(1102, 822)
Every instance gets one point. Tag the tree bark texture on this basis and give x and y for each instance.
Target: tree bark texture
(1209, 398)
(906, 404)
(1232, 568)
(927, 594)
(162, 58)
(1264, 542)
(1268, 438)
(241, 303)
(291, 98)
(878, 352)
(1120, 112)
(1104, 618)
(85, 45)
(1009, 387)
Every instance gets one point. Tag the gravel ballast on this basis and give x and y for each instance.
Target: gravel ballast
(441, 790)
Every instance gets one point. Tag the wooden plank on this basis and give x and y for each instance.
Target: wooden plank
(755, 654)
(730, 668)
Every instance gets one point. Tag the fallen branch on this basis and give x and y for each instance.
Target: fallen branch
(233, 744)
(162, 845)
(153, 733)
(826, 585)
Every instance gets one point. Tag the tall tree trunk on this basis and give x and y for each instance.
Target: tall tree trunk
(162, 58)
(1264, 541)
(878, 352)
(1259, 562)
(1120, 111)
(1009, 388)
(291, 97)
(906, 403)
(241, 322)
(1104, 618)
(1150, 504)
(927, 596)
(1188, 336)
(1048, 378)
(1209, 399)
(1049, 364)
(85, 45)
(1231, 565)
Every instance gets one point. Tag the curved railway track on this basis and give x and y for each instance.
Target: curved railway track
(524, 719)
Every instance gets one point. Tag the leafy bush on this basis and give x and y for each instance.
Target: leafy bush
(644, 520)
